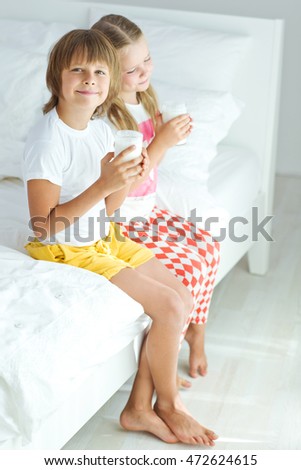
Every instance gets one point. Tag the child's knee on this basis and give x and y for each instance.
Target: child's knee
(174, 309)
(188, 302)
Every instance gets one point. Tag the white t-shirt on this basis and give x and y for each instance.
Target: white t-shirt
(70, 158)
(142, 200)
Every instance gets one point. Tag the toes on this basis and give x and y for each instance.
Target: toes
(207, 441)
(197, 369)
(193, 372)
(199, 440)
(172, 439)
(193, 440)
(211, 434)
(183, 383)
(206, 438)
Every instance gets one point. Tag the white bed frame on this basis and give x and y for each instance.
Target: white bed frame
(258, 86)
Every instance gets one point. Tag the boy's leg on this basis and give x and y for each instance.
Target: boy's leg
(187, 266)
(138, 414)
(168, 312)
(200, 241)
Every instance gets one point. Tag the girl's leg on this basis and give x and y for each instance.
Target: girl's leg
(150, 284)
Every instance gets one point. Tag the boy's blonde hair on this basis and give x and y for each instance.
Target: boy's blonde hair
(90, 45)
(123, 32)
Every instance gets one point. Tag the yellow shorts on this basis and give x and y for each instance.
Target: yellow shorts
(106, 257)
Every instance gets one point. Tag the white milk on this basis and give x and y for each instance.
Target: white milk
(172, 109)
(124, 139)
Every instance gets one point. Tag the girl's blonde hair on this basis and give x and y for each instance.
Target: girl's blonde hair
(122, 32)
(90, 45)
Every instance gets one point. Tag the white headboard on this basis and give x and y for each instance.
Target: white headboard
(258, 83)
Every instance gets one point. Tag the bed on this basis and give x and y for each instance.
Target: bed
(62, 356)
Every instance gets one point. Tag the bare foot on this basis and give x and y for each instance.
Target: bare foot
(195, 337)
(183, 383)
(185, 427)
(146, 420)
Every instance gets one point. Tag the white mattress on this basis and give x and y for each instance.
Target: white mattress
(234, 179)
(57, 323)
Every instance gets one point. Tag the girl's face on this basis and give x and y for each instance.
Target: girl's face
(85, 85)
(136, 69)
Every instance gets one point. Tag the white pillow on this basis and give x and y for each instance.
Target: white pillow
(192, 200)
(34, 36)
(195, 57)
(184, 170)
(24, 46)
(213, 113)
(23, 91)
(11, 158)
(14, 215)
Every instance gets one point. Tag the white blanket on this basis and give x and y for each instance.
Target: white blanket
(56, 322)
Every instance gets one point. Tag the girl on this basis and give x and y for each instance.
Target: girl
(72, 181)
(191, 254)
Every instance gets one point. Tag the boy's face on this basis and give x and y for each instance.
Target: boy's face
(85, 85)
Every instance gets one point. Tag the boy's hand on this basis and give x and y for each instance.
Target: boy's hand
(116, 174)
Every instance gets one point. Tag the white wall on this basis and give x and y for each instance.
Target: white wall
(289, 139)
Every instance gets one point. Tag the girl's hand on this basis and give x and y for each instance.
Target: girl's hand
(173, 131)
(145, 164)
(116, 174)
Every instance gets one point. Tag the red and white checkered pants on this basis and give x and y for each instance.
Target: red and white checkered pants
(191, 254)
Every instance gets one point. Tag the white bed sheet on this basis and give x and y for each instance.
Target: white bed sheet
(57, 322)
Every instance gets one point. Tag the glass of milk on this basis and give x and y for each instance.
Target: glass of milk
(172, 109)
(124, 139)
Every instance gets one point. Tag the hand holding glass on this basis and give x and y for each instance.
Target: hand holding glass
(125, 139)
(172, 109)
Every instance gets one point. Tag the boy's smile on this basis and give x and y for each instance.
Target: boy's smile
(84, 87)
(87, 92)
